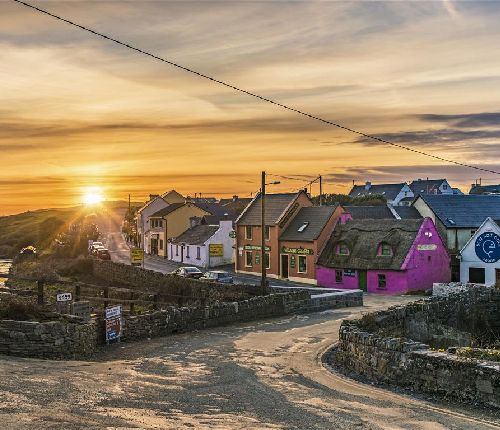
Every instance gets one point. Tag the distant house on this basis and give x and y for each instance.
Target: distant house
(431, 186)
(384, 256)
(204, 245)
(382, 212)
(484, 189)
(395, 194)
(154, 204)
(480, 257)
(169, 222)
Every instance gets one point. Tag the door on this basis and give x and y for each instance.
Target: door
(362, 284)
(497, 271)
(154, 246)
(284, 265)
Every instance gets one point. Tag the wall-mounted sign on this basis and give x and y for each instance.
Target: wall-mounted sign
(216, 249)
(255, 248)
(113, 320)
(427, 247)
(292, 261)
(297, 251)
(350, 272)
(257, 258)
(488, 247)
(136, 255)
(232, 234)
(64, 297)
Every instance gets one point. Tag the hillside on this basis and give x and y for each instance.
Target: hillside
(40, 227)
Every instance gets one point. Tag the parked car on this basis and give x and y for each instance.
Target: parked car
(95, 246)
(218, 276)
(188, 272)
(103, 254)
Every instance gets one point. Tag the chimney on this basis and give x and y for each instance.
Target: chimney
(368, 185)
(194, 221)
(153, 196)
(235, 198)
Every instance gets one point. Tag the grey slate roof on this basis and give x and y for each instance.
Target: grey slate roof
(275, 206)
(363, 238)
(389, 191)
(369, 212)
(169, 209)
(407, 212)
(463, 211)
(316, 216)
(481, 189)
(425, 186)
(196, 235)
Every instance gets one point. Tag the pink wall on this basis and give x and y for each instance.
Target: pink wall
(418, 272)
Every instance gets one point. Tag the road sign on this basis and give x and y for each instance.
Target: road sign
(232, 234)
(64, 297)
(216, 250)
(136, 255)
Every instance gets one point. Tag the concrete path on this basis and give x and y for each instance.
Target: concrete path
(262, 375)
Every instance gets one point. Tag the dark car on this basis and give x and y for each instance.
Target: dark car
(188, 272)
(218, 276)
(103, 254)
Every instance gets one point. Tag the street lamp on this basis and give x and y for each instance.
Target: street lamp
(263, 281)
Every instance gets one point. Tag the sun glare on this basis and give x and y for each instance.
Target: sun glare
(93, 196)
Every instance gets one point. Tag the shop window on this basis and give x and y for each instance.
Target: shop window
(248, 258)
(477, 275)
(248, 232)
(268, 260)
(302, 264)
(381, 281)
(338, 276)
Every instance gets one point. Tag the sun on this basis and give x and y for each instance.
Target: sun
(93, 196)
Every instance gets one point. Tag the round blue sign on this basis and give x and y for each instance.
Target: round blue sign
(488, 247)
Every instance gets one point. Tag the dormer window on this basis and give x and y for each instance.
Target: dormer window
(385, 250)
(342, 249)
(303, 227)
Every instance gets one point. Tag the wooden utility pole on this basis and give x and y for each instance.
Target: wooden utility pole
(320, 191)
(263, 281)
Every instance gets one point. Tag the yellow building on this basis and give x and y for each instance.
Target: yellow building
(171, 222)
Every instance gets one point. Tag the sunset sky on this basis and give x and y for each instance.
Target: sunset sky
(77, 111)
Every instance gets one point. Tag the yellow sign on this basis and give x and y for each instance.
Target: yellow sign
(136, 255)
(216, 250)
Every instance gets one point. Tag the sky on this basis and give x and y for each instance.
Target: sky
(77, 111)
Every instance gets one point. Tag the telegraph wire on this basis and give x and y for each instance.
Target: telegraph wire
(249, 93)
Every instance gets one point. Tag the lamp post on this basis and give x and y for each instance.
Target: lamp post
(263, 281)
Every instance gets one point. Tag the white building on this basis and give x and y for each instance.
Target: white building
(480, 257)
(204, 245)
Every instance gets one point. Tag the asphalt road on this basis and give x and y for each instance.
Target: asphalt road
(262, 375)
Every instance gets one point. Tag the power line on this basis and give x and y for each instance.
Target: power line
(249, 93)
(290, 178)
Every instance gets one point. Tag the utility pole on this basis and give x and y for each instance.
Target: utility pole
(129, 203)
(263, 281)
(320, 191)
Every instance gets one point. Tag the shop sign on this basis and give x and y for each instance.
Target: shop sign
(488, 247)
(216, 249)
(292, 261)
(257, 258)
(136, 255)
(113, 320)
(350, 272)
(256, 248)
(297, 251)
(427, 247)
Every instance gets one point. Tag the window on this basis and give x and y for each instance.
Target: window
(381, 281)
(176, 249)
(472, 233)
(198, 253)
(343, 249)
(267, 232)
(477, 275)
(161, 244)
(445, 186)
(302, 264)
(187, 251)
(338, 276)
(248, 232)
(268, 260)
(385, 250)
(303, 227)
(248, 258)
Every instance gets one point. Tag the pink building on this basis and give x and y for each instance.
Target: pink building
(384, 256)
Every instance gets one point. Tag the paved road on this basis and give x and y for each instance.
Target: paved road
(262, 375)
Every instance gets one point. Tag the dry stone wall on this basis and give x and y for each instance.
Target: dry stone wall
(387, 346)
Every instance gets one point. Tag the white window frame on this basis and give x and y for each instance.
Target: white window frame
(248, 228)
(298, 263)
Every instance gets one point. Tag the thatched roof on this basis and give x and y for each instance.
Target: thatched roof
(363, 238)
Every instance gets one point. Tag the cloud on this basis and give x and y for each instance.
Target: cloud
(481, 119)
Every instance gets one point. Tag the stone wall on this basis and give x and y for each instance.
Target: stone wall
(67, 338)
(147, 280)
(388, 346)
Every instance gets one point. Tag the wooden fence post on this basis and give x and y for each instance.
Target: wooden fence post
(106, 296)
(131, 303)
(77, 292)
(39, 285)
(155, 301)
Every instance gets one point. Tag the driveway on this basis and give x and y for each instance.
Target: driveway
(261, 375)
